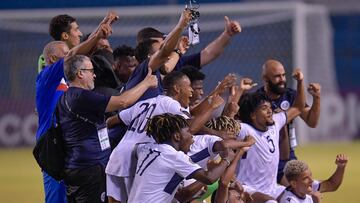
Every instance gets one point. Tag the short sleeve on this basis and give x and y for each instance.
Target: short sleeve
(174, 107)
(280, 119)
(316, 185)
(184, 166)
(244, 131)
(189, 60)
(210, 141)
(126, 115)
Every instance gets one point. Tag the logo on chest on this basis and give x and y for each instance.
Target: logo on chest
(285, 105)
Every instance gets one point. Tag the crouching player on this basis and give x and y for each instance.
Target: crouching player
(303, 189)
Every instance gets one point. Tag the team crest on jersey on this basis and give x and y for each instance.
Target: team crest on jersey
(102, 197)
(285, 105)
(271, 131)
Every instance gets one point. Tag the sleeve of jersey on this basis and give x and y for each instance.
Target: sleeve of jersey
(126, 115)
(316, 185)
(189, 60)
(52, 75)
(243, 132)
(280, 119)
(210, 140)
(174, 107)
(184, 165)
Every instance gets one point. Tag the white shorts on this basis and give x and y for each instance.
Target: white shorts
(118, 187)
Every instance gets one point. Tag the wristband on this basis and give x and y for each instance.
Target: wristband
(227, 161)
(178, 52)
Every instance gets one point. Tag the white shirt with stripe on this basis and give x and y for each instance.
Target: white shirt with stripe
(156, 166)
(121, 162)
(258, 167)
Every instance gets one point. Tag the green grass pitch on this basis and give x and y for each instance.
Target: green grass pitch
(20, 177)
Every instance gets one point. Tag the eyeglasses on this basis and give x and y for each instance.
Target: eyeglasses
(88, 69)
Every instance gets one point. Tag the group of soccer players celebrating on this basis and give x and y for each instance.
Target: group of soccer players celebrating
(178, 145)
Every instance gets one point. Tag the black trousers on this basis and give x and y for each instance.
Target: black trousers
(87, 185)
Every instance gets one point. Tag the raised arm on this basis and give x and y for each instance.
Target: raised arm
(180, 49)
(216, 47)
(231, 108)
(160, 57)
(299, 103)
(333, 183)
(102, 31)
(311, 114)
(130, 96)
(226, 83)
(198, 121)
(223, 189)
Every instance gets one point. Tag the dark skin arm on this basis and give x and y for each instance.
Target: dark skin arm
(186, 194)
(210, 176)
(223, 189)
(198, 121)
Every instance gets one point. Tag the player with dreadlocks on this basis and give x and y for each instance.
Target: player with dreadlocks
(207, 147)
(157, 162)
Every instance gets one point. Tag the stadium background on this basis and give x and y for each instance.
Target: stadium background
(320, 36)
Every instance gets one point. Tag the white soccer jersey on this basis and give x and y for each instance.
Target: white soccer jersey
(290, 197)
(202, 149)
(200, 152)
(156, 166)
(120, 163)
(258, 167)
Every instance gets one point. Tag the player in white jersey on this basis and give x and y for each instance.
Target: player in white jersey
(258, 168)
(120, 168)
(303, 189)
(207, 147)
(158, 162)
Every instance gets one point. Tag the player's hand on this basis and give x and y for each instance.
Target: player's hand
(105, 31)
(231, 109)
(183, 44)
(314, 89)
(250, 140)
(150, 79)
(228, 154)
(298, 75)
(231, 27)
(247, 84)
(110, 18)
(215, 101)
(185, 18)
(225, 134)
(341, 160)
(227, 82)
